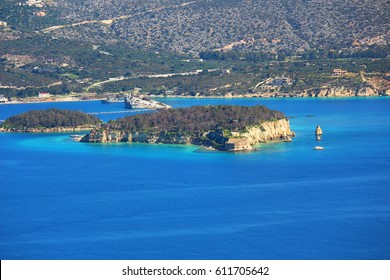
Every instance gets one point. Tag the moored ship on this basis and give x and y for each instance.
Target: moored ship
(133, 102)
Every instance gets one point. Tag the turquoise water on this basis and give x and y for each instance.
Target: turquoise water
(65, 200)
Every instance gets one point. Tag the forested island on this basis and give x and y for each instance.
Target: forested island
(228, 128)
(50, 120)
(222, 127)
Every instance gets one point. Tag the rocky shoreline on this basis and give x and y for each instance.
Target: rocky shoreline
(320, 92)
(217, 139)
(48, 130)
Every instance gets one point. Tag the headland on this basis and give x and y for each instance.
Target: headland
(224, 128)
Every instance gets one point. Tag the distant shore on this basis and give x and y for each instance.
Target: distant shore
(76, 99)
(49, 100)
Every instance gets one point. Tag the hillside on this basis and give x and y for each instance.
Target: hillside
(194, 26)
(193, 48)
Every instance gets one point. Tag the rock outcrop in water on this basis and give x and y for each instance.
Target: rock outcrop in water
(233, 137)
(318, 131)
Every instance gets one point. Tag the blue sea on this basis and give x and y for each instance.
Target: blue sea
(60, 199)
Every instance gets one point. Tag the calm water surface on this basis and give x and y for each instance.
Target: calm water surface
(65, 200)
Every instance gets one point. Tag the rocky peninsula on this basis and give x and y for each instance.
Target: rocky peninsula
(50, 120)
(225, 128)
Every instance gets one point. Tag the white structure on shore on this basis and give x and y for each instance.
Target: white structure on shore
(3, 99)
(44, 94)
(133, 102)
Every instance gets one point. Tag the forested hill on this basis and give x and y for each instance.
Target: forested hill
(197, 119)
(49, 119)
(199, 25)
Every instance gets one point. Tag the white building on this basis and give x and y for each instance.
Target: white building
(3, 99)
(280, 81)
(44, 94)
(339, 72)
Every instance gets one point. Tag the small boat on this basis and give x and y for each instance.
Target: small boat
(319, 148)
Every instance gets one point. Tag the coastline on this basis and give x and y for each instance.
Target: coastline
(243, 96)
(48, 130)
(49, 101)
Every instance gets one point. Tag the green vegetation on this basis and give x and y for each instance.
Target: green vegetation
(203, 25)
(196, 119)
(374, 51)
(51, 118)
(236, 47)
(37, 63)
(24, 17)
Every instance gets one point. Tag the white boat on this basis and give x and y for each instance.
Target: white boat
(319, 148)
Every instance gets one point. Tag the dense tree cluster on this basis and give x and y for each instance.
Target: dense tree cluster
(51, 118)
(374, 51)
(371, 52)
(197, 119)
(236, 55)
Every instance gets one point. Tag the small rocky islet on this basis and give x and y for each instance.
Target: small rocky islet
(225, 128)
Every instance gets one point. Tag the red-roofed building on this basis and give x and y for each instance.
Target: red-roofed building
(44, 94)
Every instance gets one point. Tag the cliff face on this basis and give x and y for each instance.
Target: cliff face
(266, 131)
(114, 136)
(341, 92)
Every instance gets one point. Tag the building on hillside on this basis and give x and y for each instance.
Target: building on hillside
(3, 99)
(339, 72)
(280, 81)
(238, 144)
(41, 14)
(36, 3)
(44, 94)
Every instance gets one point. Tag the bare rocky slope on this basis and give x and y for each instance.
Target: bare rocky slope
(193, 26)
